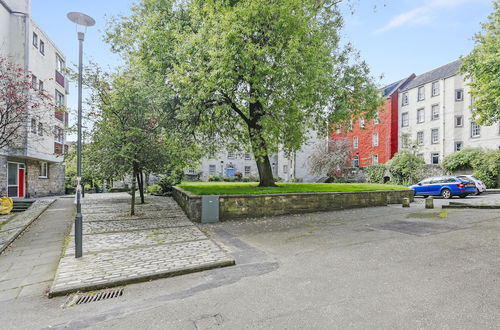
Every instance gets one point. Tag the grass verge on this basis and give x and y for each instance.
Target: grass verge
(240, 188)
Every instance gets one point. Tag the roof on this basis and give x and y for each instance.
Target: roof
(442, 72)
(391, 88)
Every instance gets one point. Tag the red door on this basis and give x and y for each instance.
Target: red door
(21, 182)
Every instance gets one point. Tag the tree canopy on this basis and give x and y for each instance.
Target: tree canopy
(482, 67)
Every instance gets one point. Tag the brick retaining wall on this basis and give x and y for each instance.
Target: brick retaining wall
(232, 207)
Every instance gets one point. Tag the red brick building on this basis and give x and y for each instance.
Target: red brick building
(376, 141)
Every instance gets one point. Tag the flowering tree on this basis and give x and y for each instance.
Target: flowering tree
(18, 100)
(330, 157)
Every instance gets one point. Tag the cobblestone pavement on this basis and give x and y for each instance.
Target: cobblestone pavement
(13, 224)
(118, 249)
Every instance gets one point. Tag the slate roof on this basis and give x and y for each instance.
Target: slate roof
(391, 88)
(442, 72)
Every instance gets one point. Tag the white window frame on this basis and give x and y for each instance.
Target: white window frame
(248, 156)
(459, 95)
(60, 65)
(355, 142)
(59, 98)
(210, 167)
(435, 136)
(434, 154)
(475, 130)
(435, 88)
(404, 99)
(420, 119)
(58, 134)
(231, 154)
(375, 139)
(405, 119)
(420, 138)
(461, 118)
(43, 170)
(361, 122)
(459, 143)
(421, 93)
(35, 40)
(42, 47)
(435, 115)
(247, 170)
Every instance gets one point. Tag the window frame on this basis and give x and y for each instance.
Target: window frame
(34, 128)
(40, 128)
(403, 116)
(433, 90)
(422, 111)
(40, 85)
(404, 99)
(432, 135)
(420, 134)
(375, 159)
(249, 172)
(461, 121)
(458, 143)
(42, 47)
(375, 139)
(432, 158)
(355, 142)
(43, 171)
(475, 127)
(461, 91)
(435, 106)
(35, 40)
(421, 97)
(210, 167)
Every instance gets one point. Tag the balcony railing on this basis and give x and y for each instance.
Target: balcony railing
(60, 78)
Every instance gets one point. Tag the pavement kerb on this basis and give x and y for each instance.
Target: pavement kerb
(22, 229)
(137, 279)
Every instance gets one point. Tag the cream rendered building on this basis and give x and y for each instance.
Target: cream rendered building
(434, 113)
(35, 167)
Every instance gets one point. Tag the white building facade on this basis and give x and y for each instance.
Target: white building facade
(35, 168)
(435, 115)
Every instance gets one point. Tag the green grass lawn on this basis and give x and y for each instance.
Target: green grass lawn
(237, 188)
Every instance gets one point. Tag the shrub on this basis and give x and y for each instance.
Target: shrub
(214, 178)
(154, 189)
(487, 168)
(462, 160)
(406, 168)
(375, 173)
(167, 182)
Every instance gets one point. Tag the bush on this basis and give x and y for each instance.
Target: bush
(487, 168)
(406, 168)
(154, 189)
(462, 160)
(375, 173)
(214, 178)
(167, 182)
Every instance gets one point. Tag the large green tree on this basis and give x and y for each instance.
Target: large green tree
(253, 74)
(482, 67)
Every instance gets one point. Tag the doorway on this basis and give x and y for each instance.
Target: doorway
(16, 179)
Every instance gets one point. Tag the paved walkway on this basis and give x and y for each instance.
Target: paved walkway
(159, 241)
(27, 267)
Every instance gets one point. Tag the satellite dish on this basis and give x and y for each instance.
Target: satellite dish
(81, 19)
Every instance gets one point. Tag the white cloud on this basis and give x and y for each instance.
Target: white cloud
(421, 15)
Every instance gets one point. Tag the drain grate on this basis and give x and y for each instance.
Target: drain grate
(84, 298)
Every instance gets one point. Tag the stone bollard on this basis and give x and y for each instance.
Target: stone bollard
(406, 202)
(429, 203)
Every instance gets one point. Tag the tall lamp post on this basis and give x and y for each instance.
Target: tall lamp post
(83, 20)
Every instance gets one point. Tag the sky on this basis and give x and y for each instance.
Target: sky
(395, 37)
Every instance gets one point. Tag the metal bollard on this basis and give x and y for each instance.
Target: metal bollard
(406, 202)
(429, 203)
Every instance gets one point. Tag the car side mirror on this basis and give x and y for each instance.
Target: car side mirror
(420, 183)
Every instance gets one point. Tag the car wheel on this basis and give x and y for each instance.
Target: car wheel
(477, 192)
(463, 196)
(446, 193)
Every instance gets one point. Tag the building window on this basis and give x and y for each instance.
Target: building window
(361, 122)
(420, 138)
(191, 171)
(459, 95)
(458, 146)
(435, 135)
(404, 119)
(34, 82)
(230, 154)
(435, 158)
(376, 120)
(247, 170)
(435, 88)
(475, 130)
(375, 139)
(420, 115)
(40, 85)
(59, 63)
(375, 159)
(40, 129)
(435, 111)
(350, 125)
(421, 93)
(44, 170)
(285, 169)
(248, 156)
(459, 121)
(404, 99)
(35, 40)
(58, 134)
(33, 125)
(42, 47)
(404, 141)
(355, 162)
(355, 142)
(59, 98)
(212, 169)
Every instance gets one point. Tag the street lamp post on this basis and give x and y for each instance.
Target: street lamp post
(83, 20)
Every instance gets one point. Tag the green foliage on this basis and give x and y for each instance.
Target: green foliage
(154, 189)
(173, 178)
(376, 173)
(228, 188)
(406, 168)
(482, 67)
(487, 168)
(461, 160)
(215, 178)
(255, 73)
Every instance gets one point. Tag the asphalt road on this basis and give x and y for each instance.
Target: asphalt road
(384, 267)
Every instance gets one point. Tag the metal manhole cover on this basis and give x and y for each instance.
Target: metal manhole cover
(88, 297)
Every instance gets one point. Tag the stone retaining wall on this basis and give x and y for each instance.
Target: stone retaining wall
(232, 207)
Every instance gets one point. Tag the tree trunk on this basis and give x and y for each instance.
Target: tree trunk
(259, 148)
(141, 185)
(132, 201)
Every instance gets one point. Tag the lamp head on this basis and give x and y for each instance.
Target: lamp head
(81, 19)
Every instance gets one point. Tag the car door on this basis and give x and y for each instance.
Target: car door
(434, 187)
(422, 188)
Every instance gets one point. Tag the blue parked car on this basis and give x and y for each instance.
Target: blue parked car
(445, 186)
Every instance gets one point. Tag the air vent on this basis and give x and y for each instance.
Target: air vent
(84, 298)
